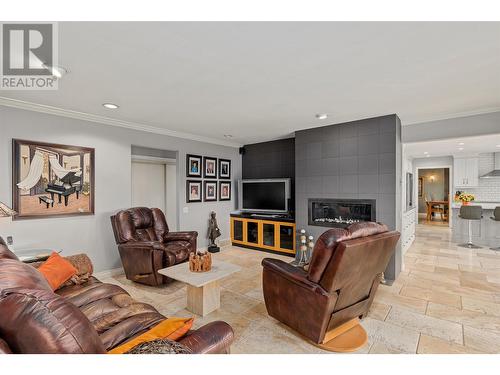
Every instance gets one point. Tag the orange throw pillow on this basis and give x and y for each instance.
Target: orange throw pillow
(57, 270)
(171, 328)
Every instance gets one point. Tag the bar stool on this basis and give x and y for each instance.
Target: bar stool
(470, 213)
(496, 217)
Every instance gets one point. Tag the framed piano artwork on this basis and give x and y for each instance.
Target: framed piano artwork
(51, 180)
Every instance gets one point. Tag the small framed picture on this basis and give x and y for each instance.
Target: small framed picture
(224, 168)
(193, 165)
(193, 191)
(224, 190)
(209, 167)
(210, 190)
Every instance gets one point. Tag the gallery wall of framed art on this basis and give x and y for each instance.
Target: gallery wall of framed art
(205, 179)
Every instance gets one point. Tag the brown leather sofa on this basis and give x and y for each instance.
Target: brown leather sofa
(92, 317)
(146, 245)
(340, 284)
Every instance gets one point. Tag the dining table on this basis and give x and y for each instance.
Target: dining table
(433, 203)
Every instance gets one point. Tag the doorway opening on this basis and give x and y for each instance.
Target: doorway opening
(434, 196)
(154, 184)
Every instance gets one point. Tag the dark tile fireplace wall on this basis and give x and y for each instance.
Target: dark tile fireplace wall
(354, 160)
(274, 159)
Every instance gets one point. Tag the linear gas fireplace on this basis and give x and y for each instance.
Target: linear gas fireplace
(340, 212)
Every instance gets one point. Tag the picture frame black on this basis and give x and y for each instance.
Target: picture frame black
(190, 197)
(222, 196)
(209, 167)
(224, 169)
(207, 186)
(191, 162)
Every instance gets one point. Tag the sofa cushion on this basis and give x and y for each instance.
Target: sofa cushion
(180, 250)
(39, 321)
(15, 274)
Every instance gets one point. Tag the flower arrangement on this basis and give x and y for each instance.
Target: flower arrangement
(466, 198)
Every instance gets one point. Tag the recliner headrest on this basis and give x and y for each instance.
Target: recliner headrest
(326, 244)
(142, 217)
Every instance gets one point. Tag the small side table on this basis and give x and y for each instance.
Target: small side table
(33, 255)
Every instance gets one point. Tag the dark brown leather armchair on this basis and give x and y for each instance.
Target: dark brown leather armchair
(146, 245)
(340, 284)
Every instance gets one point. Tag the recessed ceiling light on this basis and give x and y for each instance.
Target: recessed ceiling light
(56, 71)
(321, 116)
(110, 106)
(461, 143)
(460, 149)
(428, 155)
(228, 136)
(498, 146)
(425, 152)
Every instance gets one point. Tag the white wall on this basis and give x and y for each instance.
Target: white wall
(93, 234)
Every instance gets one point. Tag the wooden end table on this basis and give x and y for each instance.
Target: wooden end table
(203, 288)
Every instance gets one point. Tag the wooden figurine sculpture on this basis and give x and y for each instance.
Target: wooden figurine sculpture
(200, 262)
(213, 233)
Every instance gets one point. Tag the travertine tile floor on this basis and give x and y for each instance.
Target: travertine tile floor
(447, 300)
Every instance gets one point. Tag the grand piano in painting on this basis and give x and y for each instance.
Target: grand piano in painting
(69, 184)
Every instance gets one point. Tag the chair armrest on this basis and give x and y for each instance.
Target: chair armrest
(141, 260)
(180, 236)
(4, 347)
(213, 338)
(294, 274)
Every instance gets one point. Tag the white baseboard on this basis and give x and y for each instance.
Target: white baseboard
(109, 273)
(119, 271)
(220, 243)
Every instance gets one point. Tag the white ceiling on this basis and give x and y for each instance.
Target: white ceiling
(260, 81)
(471, 145)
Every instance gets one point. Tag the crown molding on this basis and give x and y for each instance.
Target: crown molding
(34, 107)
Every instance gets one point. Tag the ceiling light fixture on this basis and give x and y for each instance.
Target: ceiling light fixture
(321, 116)
(56, 71)
(460, 149)
(461, 143)
(110, 106)
(425, 152)
(497, 145)
(428, 155)
(228, 136)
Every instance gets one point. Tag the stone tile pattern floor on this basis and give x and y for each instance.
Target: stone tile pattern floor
(447, 300)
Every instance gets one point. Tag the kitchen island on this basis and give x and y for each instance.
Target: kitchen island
(485, 232)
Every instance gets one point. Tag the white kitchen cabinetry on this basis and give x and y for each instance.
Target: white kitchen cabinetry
(408, 228)
(466, 172)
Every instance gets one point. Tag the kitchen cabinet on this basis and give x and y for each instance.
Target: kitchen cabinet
(466, 172)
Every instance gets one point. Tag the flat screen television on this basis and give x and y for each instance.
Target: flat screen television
(264, 195)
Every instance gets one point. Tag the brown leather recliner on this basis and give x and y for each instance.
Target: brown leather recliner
(343, 276)
(92, 317)
(146, 245)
